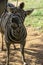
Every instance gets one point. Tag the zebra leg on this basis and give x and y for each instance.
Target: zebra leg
(2, 42)
(22, 52)
(14, 46)
(8, 52)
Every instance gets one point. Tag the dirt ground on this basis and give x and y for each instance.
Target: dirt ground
(33, 50)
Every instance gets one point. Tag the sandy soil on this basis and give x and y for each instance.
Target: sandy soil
(33, 50)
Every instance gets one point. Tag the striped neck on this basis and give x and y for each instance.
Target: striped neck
(12, 37)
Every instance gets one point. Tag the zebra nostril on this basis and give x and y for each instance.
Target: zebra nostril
(18, 30)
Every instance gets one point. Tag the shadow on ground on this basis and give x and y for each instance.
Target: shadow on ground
(33, 51)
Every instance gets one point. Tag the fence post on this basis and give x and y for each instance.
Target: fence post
(17, 3)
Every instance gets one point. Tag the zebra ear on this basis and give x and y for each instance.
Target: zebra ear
(28, 12)
(21, 5)
(13, 10)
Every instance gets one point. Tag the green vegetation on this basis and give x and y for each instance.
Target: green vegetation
(35, 21)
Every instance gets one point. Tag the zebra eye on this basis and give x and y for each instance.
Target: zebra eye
(12, 20)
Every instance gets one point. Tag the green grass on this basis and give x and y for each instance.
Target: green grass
(35, 21)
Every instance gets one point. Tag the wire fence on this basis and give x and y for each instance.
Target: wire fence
(17, 3)
(38, 8)
(35, 15)
(32, 8)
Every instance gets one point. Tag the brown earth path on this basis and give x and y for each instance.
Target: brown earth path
(33, 50)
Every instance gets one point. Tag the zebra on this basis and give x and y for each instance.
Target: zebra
(8, 9)
(3, 8)
(19, 11)
(10, 6)
(12, 25)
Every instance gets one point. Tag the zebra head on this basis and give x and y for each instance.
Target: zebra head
(20, 12)
(16, 22)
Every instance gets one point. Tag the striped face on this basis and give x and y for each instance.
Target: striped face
(17, 31)
(16, 22)
(19, 11)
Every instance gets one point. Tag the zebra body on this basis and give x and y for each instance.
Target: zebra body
(3, 21)
(16, 35)
(12, 24)
(13, 34)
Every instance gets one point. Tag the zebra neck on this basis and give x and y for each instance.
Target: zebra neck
(11, 37)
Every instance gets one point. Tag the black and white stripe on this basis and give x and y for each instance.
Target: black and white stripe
(3, 6)
(14, 31)
(18, 33)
